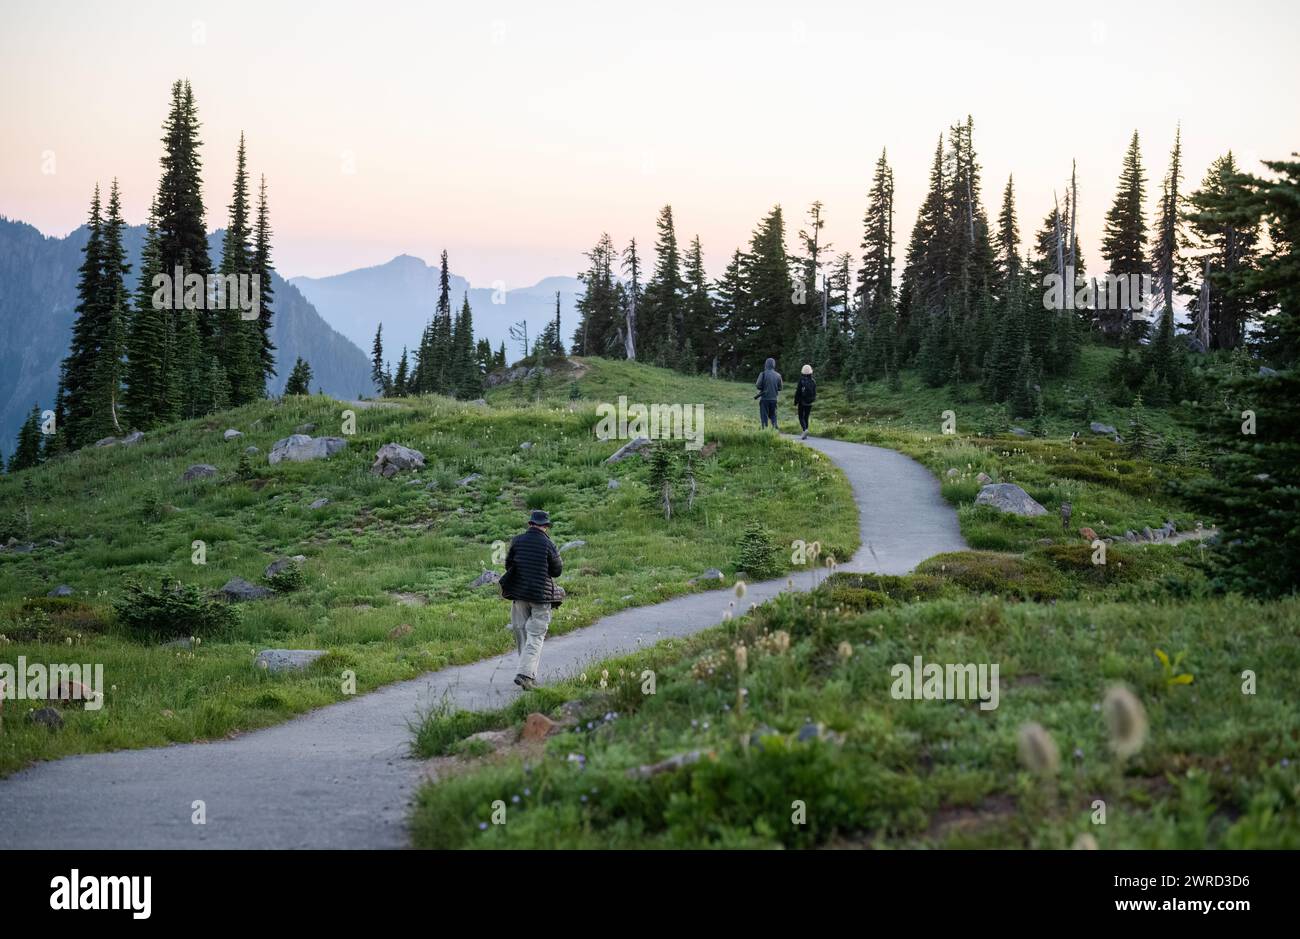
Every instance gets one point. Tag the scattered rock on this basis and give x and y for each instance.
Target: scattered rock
(185, 642)
(231, 434)
(612, 484)
(537, 727)
(402, 629)
(70, 691)
(672, 764)
(711, 574)
(1088, 534)
(1148, 534)
(252, 451)
(572, 544)
(628, 449)
(287, 660)
(469, 479)
(394, 458)
(47, 717)
(199, 471)
(1020, 432)
(300, 448)
(129, 440)
(485, 578)
(495, 739)
(756, 738)
(319, 504)
(1266, 372)
(952, 472)
(305, 429)
(1008, 497)
(810, 732)
(406, 598)
(62, 590)
(983, 479)
(481, 402)
(1099, 428)
(526, 445)
(237, 590)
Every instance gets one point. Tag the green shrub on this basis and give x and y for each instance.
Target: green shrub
(756, 553)
(288, 580)
(173, 611)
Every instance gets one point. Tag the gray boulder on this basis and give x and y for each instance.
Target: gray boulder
(62, 590)
(1020, 432)
(231, 434)
(571, 544)
(237, 590)
(484, 579)
(287, 660)
(1266, 372)
(1099, 428)
(983, 479)
(305, 429)
(46, 717)
(526, 445)
(613, 484)
(251, 451)
(393, 458)
(319, 504)
(130, 439)
(1008, 497)
(628, 449)
(299, 448)
(469, 479)
(711, 574)
(199, 471)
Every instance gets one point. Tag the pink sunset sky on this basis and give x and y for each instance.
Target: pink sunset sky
(513, 134)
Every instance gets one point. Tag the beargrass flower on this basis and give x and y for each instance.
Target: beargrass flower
(1126, 721)
(1037, 749)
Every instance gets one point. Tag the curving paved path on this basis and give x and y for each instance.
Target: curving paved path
(339, 777)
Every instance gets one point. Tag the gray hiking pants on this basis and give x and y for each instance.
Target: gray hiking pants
(529, 622)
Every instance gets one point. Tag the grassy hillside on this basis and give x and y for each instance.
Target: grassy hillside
(808, 718)
(381, 554)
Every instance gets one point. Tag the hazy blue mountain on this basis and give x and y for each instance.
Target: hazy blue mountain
(402, 293)
(38, 290)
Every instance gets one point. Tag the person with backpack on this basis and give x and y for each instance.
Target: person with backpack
(532, 564)
(769, 386)
(805, 393)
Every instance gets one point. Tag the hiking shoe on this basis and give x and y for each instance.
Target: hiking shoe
(526, 683)
(805, 435)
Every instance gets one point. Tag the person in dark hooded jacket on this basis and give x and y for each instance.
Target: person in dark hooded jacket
(805, 393)
(532, 564)
(769, 386)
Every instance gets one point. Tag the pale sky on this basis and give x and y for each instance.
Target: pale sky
(513, 133)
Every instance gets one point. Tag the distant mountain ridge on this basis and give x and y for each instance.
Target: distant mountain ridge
(38, 294)
(402, 293)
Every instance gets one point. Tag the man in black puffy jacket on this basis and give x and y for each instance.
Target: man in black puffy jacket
(532, 564)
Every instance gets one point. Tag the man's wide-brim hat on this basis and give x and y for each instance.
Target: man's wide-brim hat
(538, 517)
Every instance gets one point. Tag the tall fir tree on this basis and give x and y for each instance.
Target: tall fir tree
(236, 339)
(30, 443)
(599, 317)
(1124, 244)
(770, 290)
(74, 409)
(377, 373)
(876, 276)
(1225, 228)
(703, 326)
(660, 312)
(264, 268)
(630, 301)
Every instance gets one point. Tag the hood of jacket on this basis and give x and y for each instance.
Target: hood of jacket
(769, 365)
